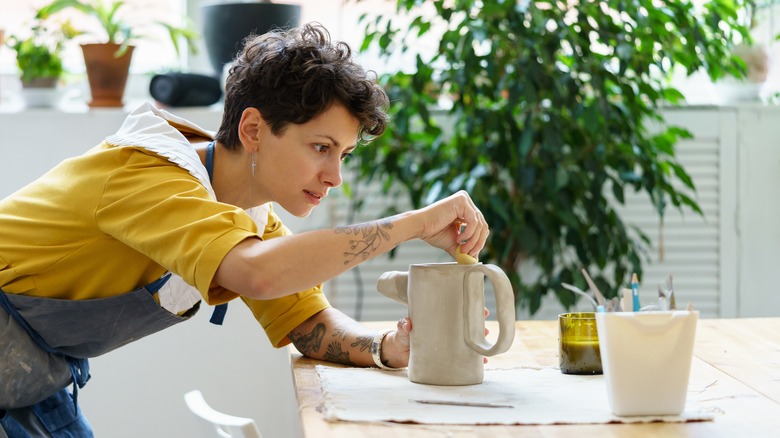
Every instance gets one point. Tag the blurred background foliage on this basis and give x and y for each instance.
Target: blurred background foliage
(546, 112)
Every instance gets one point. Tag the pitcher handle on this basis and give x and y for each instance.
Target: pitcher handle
(473, 310)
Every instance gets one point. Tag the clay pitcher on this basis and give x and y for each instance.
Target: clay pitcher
(446, 304)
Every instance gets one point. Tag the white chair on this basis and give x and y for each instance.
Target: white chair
(220, 425)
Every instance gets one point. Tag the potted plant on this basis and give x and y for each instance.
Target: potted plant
(746, 84)
(108, 61)
(39, 58)
(548, 124)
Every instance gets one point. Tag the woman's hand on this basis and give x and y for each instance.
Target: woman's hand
(454, 221)
(396, 346)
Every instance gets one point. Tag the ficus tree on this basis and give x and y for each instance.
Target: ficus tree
(553, 114)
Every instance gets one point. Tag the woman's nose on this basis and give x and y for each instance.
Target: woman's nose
(331, 175)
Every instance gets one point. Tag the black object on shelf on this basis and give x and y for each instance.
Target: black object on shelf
(185, 89)
(226, 25)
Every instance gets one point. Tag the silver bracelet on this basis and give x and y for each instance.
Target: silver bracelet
(376, 350)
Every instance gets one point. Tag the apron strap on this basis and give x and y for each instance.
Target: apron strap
(210, 160)
(218, 316)
(155, 286)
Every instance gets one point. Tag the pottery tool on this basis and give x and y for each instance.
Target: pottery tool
(635, 292)
(663, 298)
(627, 302)
(670, 292)
(463, 258)
(592, 285)
(581, 292)
(461, 403)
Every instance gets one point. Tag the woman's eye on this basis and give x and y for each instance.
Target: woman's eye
(346, 157)
(321, 148)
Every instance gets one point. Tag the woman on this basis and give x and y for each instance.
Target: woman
(127, 239)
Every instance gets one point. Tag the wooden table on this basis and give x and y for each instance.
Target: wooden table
(740, 356)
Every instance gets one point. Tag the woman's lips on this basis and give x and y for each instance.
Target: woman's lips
(314, 199)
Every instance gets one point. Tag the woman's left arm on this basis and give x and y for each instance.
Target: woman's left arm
(333, 336)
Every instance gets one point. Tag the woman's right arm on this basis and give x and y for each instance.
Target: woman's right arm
(277, 267)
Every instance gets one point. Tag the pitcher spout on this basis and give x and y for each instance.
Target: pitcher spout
(394, 284)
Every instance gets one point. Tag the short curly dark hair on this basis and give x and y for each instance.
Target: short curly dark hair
(292, 76)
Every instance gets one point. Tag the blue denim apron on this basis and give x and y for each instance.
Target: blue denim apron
(47, 342)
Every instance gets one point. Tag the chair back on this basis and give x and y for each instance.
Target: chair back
(217, 424)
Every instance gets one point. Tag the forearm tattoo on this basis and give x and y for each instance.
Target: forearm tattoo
(363, 342)
(341, 333)
(368, 237)
(336, 354)
(309, 342)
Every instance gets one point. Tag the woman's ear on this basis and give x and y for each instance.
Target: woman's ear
(250, 128)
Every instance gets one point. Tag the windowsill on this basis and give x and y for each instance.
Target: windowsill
(74, 124)
(15, 105)
(74, 97)
(74, 101)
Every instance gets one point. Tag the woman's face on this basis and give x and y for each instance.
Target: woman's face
(298, 168)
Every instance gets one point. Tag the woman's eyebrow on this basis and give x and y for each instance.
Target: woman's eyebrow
(336, 142)
(331, 139)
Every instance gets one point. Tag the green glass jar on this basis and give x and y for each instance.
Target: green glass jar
(578, 342)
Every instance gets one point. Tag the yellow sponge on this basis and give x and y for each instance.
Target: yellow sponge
(464, 259)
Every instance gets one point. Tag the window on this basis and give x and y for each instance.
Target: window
(153, 51)
(341, 18)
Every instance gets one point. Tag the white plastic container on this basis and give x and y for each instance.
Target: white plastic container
(646, 357)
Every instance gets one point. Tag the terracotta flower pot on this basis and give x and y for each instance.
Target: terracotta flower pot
(106, 73)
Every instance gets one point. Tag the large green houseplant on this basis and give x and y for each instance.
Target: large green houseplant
(549, 124)
(108, 59)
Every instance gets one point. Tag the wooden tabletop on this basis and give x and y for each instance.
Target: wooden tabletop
(741, 357)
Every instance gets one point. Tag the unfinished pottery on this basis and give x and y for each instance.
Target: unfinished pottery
(446, 304)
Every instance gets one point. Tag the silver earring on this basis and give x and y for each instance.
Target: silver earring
(252, 178)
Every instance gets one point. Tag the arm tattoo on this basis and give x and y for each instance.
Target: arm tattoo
(340, 333)
(335, 354)
(363, 342)
(310, 342)
(368, 237)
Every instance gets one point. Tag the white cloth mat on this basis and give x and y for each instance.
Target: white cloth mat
(536, 396)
